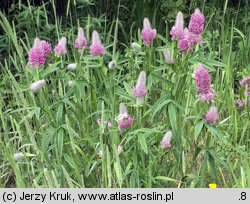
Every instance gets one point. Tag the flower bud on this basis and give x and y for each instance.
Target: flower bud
(18, 156)
(71, 84)
(112, 65)
(136, 47)
(36, 86)
(72, 67)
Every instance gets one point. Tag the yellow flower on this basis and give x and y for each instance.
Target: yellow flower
(212, 185)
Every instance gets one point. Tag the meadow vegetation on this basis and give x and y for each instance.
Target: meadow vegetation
(119, 94)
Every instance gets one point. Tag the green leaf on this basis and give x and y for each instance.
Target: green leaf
(162, 79)
(127, 87)
(198, 128)
(60, 137)
(59, 112)
(216, 133)
(66, 174)
(142, 141)
(218, 158)
(109, 173)
(164, 178)
(50, 69)
(172, 115)
(69, 160)
(123, 94)
(213, 166)
(72, 133)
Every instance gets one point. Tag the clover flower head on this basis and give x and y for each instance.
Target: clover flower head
(148, 34)
(212, 115)
(96, 48)
(166, 140)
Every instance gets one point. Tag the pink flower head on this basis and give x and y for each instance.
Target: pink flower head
(139, 91)
(202, 79)
(207, 97)
(165, 143)
(245, 81)
(36, 54)
(247, 92)
(240, 103)
(81, 41)
(177, 31)
(193, 39)
(196, 23)
(185, 44)
(96, 48)
(212, 115)
(107, 123)
(60, 48)
(46, 48)
(124, 120)
(148, 34)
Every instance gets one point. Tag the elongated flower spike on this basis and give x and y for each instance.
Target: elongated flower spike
(36, 55)
(246, 82)
(196, 23)
(124, 120)
(36, 86)
(122, 109)
(188, 40)
(202, 79)
(166, 140)
(81, 41)
(240, 103)
(184, 43)
(96, 48)
(60, 48)
(212, 115)
(139, 91)
(148, 34)
(46, 48)
(177, 31)
(167, 56)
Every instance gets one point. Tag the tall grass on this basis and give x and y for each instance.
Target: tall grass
(58, 133)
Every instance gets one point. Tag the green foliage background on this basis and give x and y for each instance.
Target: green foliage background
(59, 135)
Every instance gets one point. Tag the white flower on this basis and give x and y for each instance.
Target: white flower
(36, 86)
(71, 84)
(136, 46)
(112, 65)
(72, 67)
(120, 148)
(18, 156)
